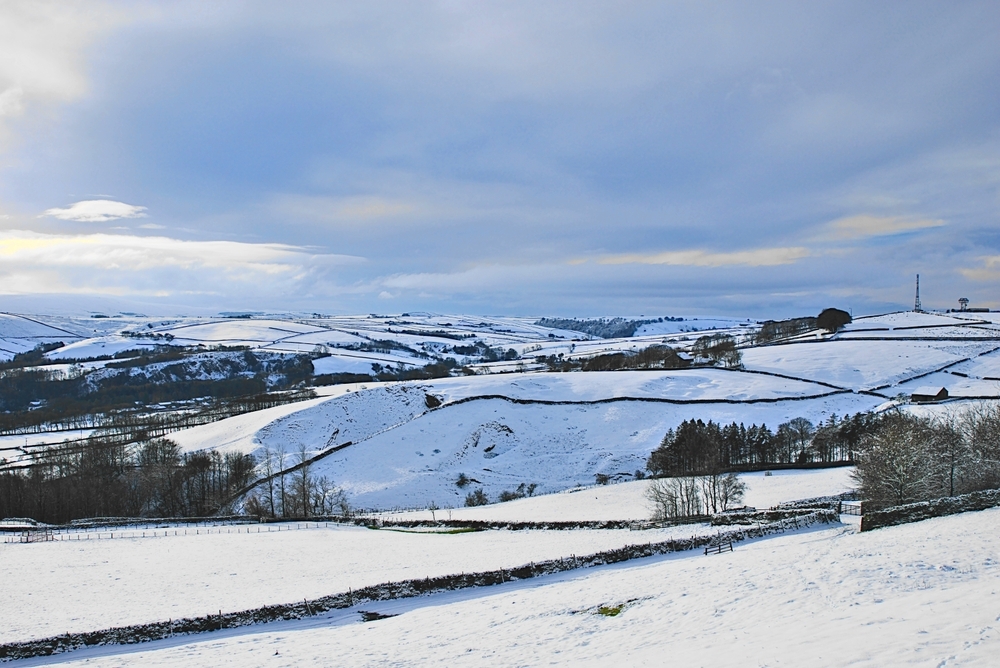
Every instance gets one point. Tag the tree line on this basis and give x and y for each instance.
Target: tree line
(110, 478)
(696, 447)
(909, 458)
(114, 478)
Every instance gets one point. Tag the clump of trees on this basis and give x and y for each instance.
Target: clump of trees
(694, 495)
(696, 447)
(718, 349)
(485, 352)
(832, 319)
(829, 319)
(605, 328)
(111, 478)
(653, 357)
(910, 458)
(521, 492)
(476, 498)
(772, 330)
(695, 466)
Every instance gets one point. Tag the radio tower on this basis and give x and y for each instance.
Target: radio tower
(916, 301)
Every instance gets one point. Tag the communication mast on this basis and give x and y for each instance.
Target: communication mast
(916, 301)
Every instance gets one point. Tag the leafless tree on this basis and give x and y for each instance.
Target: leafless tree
(674, 497)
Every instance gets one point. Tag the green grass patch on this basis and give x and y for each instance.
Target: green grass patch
(611, 610)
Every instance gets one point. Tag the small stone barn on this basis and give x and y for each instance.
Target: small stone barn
(923, 395)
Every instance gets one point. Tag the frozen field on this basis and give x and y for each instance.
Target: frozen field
(69, 586)
(905, 595)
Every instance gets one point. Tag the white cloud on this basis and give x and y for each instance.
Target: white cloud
(152, 226)
(98, 211)
(864, 226)
(33, 263)
(760, 257)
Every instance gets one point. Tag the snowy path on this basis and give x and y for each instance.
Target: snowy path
(829, 597)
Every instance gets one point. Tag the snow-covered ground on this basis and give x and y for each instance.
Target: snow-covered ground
(627, 501)
(861, 365)
(923, 594)
(84, 585)
(404, 456)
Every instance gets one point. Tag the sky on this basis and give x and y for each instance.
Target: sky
(758, 159)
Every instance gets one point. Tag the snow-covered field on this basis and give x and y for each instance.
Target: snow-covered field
(924, 594)
(89, 585)
(404, 455)
(861, 365)
(627, 501)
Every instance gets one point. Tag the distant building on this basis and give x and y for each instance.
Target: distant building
(923, 395)
(963, 307)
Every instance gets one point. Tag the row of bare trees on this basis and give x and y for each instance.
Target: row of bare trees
(910, 458)
(684, 496)
(288, 488)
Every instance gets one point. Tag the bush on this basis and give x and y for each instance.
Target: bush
(519, 493)
(477, 498)
(463, 480)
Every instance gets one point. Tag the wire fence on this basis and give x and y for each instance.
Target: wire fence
(155, 531)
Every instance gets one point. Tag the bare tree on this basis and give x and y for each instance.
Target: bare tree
(303, 482)
(269, 470)
(731, 491)
(279, 458)
(979, 427)
(327, 498)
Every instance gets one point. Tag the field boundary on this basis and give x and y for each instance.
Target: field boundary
(925, 510)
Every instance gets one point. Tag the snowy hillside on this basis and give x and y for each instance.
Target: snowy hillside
(405, 444)
(558, 430)
(559, 433)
